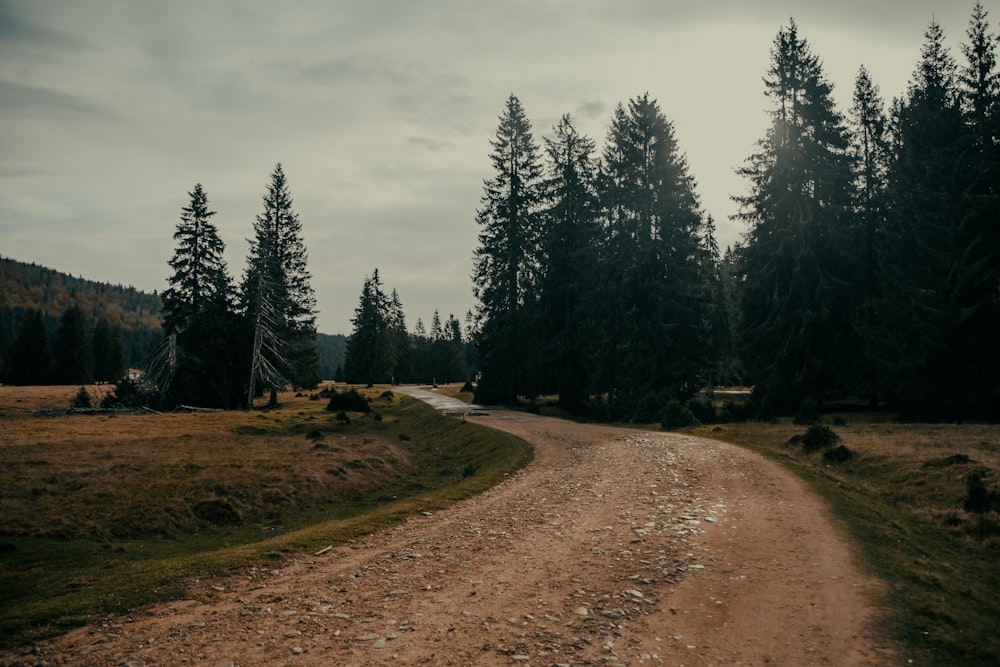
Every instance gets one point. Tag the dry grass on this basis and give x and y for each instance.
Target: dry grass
(128, 475)
(107, 512)
(902, 495)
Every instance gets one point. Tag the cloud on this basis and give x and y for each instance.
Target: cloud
(14, 96)
(22, 171)
(429, 144)
(366, 69)
(20, 31)
(594, 109)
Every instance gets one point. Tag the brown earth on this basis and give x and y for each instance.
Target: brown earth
(613, 547)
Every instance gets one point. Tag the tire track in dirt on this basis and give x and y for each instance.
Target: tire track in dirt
(613, 547)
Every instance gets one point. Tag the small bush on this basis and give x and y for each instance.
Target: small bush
(129, 393)
(82, 400)
(676, 415)
(978, 498)
(985, 525)
(350, 401)
(703, 410)
(648, 409)
(467, 388)
(838, 454)
(343, 418)
(314, 434)
(818, 437)
(807, 414)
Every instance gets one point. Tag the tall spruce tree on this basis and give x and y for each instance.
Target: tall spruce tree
(979, 87)
(568, 257)
(869, 153)
(204, 335)
(371, 348)
(278, 298)
(798, 263)
(109, 351)
(506, 262)
(400, 339)
(200, 277)
(32, 360)
(926, 267)
(74, 353)
(651, 315)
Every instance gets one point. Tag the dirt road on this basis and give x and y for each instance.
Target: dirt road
(613, 547)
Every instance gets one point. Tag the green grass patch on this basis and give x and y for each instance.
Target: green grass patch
(901, 495)
(145, 518)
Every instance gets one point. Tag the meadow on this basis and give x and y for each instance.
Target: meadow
(104, 513)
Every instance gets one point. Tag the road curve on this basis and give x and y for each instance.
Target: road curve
(612, 547)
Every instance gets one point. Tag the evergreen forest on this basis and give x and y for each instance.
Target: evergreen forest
(869, 269)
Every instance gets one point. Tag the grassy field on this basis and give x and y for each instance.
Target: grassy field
(902, 496)
(109, 512)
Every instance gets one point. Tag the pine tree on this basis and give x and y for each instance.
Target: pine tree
(979, 86)
(204, 335)
(869, 153)
(371, 348)
(568, 257)
(798, 263)
(109, 352)
(277, 296)
(650, 309)
(506, 261)
(200, 276)
(73, 349)
(5, 355)
(402, 349)
(926, 266)
(421, 349)
(32, 360)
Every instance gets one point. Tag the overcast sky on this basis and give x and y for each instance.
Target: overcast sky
(380, 112)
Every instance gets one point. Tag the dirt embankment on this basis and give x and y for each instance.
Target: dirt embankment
(614, 547)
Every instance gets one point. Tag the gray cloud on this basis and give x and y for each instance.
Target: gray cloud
(429, 144)
(367, 69)
(15, 96)
(592, 109)
(22, 31)
(22, 171)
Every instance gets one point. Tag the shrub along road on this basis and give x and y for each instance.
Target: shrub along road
(612, 547)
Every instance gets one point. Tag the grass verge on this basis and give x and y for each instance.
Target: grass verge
(108, 514)
(902, 496)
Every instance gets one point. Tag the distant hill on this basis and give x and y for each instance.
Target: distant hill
(28, 287)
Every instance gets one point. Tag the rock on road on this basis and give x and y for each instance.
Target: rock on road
(613, 547)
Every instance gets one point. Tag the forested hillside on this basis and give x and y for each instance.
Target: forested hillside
(25, 288)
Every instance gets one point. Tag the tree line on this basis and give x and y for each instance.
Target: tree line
(380, 349)
(29, 290)
(869, 268)
(76, 354)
